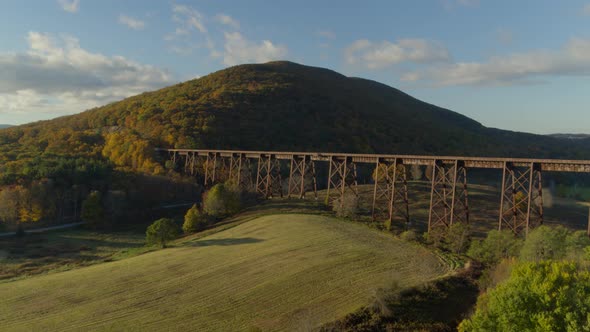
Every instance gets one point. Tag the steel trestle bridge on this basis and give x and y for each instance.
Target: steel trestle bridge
(521, 203)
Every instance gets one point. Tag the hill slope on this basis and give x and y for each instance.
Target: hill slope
(279, 272)
(274, 106)
(2, 126)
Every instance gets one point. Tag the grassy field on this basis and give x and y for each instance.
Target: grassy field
(63, 250)
(277, 272)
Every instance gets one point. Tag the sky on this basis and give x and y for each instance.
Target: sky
(517, 65)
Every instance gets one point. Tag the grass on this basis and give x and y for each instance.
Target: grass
(276, 272)
(63, 250)
(56, 251)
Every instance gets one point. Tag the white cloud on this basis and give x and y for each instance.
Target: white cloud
(227, 20)
(519, 68)
(326, 34)
(189, 18)
(131, 22)
(239, 50)
(586, 10)
(378, 55)
(56, 74)
(188, 21)
(69, 5)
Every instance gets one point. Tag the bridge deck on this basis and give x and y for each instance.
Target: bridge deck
(556, 165)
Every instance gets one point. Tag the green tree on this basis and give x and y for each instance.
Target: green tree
(545, 242)
(576, 242)
(92, 210)
(496, 246)
(194, 220)
(545, 296)
(220, 201)
(161, 231)
(458, 237)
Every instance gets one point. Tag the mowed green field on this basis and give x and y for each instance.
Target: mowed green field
(278, 272)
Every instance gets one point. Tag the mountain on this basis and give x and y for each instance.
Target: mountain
(271, 106)
(570, 136)
(5, 126)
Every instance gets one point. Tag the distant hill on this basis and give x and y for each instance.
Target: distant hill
(5, 126)
(570, 136)
(271, 106)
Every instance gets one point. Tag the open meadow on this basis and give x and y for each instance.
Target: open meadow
(276, 272)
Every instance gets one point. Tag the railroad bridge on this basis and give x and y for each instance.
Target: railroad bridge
(521, 203)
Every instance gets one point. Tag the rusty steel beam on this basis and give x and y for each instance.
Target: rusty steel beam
(210, 169)
(521, 203)
(190, 163)
(342, 180)
(390, 190)
(268, 177)
(302, 169)
(448, 201)
(383, 176)
(554, 165)
(460, 203)
(240, 172)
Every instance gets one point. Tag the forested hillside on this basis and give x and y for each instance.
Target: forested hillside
(274, 106)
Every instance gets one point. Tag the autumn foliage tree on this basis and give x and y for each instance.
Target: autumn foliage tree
(130, 150)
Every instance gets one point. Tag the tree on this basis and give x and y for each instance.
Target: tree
(497, 245)
(92, 210)
(161, 231)
(194, 220)
(458, 237)
(545, 242)
(545, 296)
(220, 201)
(9, 199)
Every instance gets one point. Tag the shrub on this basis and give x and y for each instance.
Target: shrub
(436, 236)
(545, 296)
(577, 241)
(346, 206)
(496, 246)
(458, 238)
(194, 220)
(220, 201)
(545, 242)
(161, 232)
(409, 236)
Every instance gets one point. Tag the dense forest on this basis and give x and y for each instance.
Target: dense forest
(274, 106)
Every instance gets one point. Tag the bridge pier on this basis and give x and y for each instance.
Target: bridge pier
(302, 169)
(521, 204)
(391, 187)
(268, 176)
(190, 163)
(240, 173)
(341, 179)
(448, 201)
(211, 166)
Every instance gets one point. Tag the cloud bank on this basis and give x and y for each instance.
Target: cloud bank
(58, 74)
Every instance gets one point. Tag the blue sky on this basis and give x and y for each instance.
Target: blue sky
(518, 65)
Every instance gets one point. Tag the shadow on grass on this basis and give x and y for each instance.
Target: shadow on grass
(224, 242)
